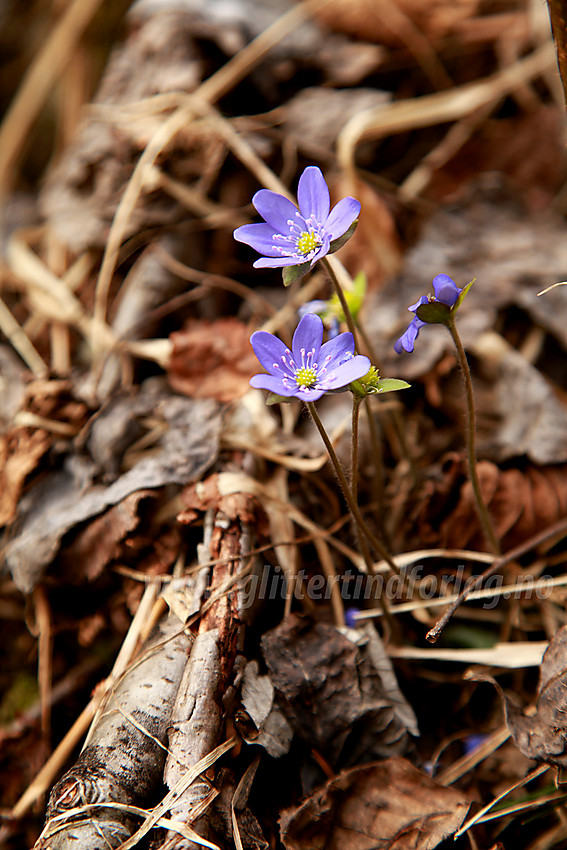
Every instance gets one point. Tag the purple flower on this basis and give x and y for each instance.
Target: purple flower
(292, 237)
(408, 338)
(309, 369)
(446, 292)
(350, 617)
(472, 742)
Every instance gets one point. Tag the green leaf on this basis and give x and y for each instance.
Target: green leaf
(390, 385)
(342, 240)
(434, 313)
(293, 273)
(463, 295)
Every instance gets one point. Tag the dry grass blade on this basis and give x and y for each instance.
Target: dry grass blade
(299, 464)
(58, 822)
(182, 785)
(21, 342)
(553, 286)
(209, 91)
(508, 655)
(405, 559)
(470, 760)
(441, 107)
(38, 82)
(479, 815)
(61, 754)
(52, 297)
(508, 591)
(523, 807)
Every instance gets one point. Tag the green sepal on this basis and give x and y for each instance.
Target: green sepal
(390, 385)
(358, 389)
(434, 313)
(463, 295)
(293, 273)
(371, 384)
(274, 398)
(342, 240)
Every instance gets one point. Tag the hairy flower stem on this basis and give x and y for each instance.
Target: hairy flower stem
(351, 502)
(362, 542)
(341, 296)
(378, 477)
(351, 324)
(354, 447)
(482, 510)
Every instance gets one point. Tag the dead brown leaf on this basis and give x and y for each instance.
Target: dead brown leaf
(528, 148)
(543, 736)
(186, 444)
(521, 502)
(390, 805)
(98, 543)
(212, 360)
(20, 453)
(332, 694)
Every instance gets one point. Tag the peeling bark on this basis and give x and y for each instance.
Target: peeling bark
(197, 721)
(123, 758)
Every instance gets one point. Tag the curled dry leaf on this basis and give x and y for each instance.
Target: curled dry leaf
(272, 731)
(20, 453)
(332, 693)
(521, 502)
(543, 736)
(99, 542)
(212, 360)
(390, 805)
(25, 442)
(186, 447)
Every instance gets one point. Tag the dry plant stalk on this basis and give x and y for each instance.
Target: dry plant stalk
(211, 90)
(196, 723)
(438, 108)
(49, 64)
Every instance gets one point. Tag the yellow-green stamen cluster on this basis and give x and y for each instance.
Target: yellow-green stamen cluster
(307, 242)
(371, 379)
(306, 376)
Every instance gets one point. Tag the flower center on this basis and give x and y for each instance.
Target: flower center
(307, 242)
(306, 376)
